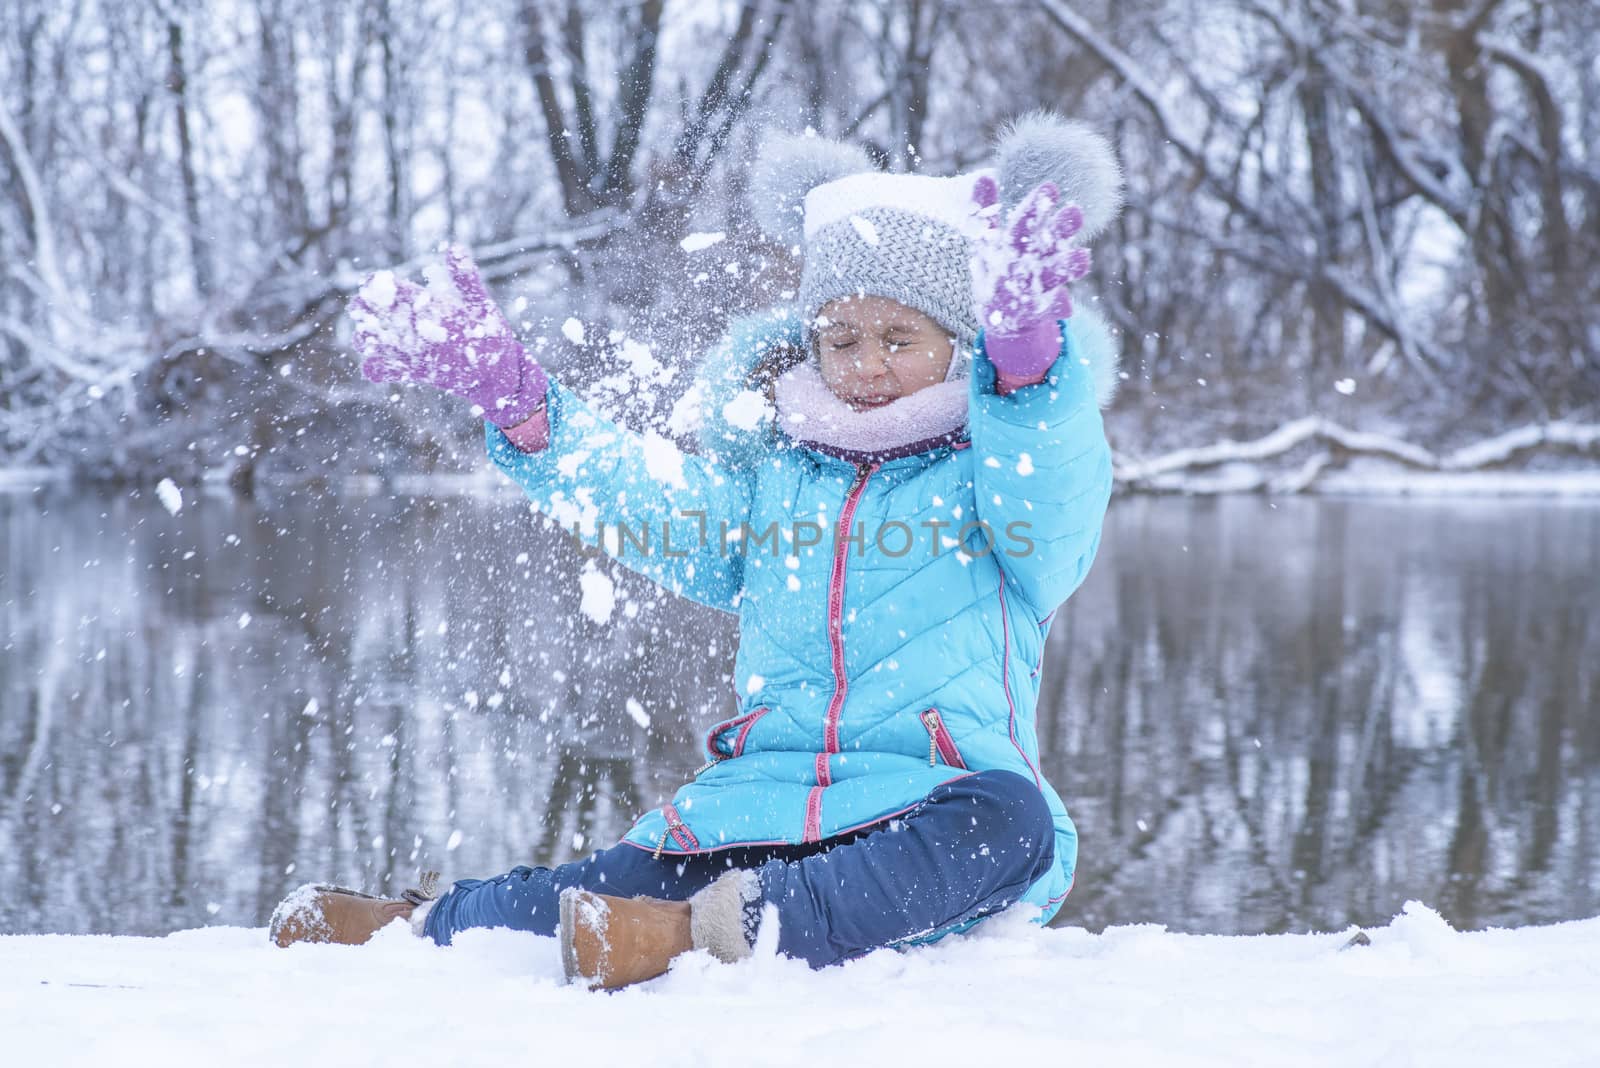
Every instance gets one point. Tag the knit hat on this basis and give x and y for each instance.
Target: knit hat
(910, 237)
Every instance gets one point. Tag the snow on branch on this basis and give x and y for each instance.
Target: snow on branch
(1248, 466)
(1502, 448)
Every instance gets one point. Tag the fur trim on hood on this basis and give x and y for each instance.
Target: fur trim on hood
(733, 424)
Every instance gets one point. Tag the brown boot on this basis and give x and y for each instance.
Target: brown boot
(612, 942)
(336, 914)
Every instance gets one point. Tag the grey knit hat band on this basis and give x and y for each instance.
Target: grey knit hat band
(903, 255)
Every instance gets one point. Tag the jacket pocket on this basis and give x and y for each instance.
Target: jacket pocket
(940, 744)
(727, 739)
(678, 830)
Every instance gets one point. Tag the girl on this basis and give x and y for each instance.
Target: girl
(895, 534)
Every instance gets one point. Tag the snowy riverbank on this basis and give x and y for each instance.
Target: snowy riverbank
(1421, 994)
(1223, 480)
(1311, 455)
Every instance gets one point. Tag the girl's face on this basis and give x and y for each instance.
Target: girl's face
(873, 350)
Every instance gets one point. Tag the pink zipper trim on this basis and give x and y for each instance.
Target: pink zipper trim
(744, 723)
(1044, 625)
(813, 832)
(841, 539)
(679, 830)
(744, 732)
(942, 740)
(1005, 681)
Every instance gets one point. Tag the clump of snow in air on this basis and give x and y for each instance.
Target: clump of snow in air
(1345, 386)
(572, 330)
(437, 298)
(642, 363)
(380, 291)
(688, 411)
(569, 464)
(453, 843)
(747, 410)
(170, 496)
(753, 684)
(864, 227)
(1024, 464)
(1420, 994)
(636, 710)
(244, 620)
(663, 459)
(700, 241)
(599, 599)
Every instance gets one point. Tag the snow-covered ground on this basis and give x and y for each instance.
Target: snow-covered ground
(1420, 994)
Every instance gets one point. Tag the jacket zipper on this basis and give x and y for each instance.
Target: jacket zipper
(841, 543)
(830, 723)
(678, 829)
(940, 744)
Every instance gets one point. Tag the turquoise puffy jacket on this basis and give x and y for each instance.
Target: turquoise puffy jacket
(888, 642)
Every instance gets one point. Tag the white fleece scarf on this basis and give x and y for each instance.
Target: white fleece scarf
(811, 413)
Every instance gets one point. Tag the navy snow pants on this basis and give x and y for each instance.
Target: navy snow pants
(972, 847)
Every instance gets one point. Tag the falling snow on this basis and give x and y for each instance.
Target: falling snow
(747, 410)
(700, 241)
(662, 459)
(599, 593)
(170, 495)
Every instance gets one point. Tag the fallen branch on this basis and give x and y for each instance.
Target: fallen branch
(1335, 446)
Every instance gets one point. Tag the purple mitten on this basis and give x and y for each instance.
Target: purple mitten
(448, 334)
(1020, 272)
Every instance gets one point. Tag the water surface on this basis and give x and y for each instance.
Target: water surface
(1263, 716)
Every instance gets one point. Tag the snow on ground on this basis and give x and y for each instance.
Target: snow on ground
(1421, 994)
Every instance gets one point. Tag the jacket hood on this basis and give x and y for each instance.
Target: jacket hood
(733, 424)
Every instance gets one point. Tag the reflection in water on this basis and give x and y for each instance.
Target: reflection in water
(1264, 716)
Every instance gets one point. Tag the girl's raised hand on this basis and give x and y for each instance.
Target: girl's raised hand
(448, 334)
(1021, 269)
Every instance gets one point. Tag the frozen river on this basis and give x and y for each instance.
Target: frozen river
(1264, 716)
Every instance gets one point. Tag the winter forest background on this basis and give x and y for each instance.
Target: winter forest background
(1385, 214)
(1359, 239)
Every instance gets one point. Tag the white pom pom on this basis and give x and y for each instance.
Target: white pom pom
(1044, 147)
(787, 167)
